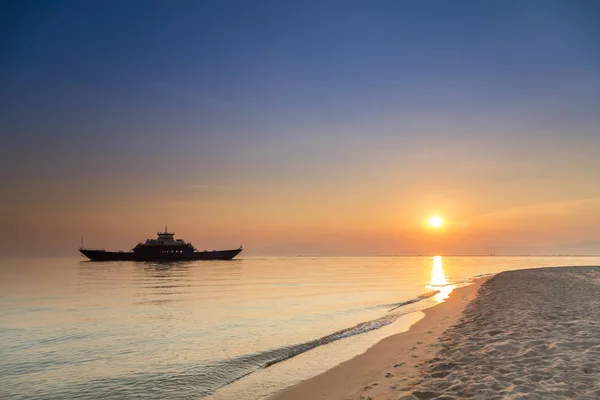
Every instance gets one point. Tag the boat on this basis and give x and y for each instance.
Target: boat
(163, 248)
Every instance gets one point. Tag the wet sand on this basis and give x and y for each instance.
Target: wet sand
(391, 364)
(531, 334)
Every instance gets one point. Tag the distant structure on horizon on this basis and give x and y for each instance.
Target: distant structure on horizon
(163, 248)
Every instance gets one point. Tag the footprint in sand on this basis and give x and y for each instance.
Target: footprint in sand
(399, 365)
(388, 375)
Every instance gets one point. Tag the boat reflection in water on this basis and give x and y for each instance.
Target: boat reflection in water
(439, 281)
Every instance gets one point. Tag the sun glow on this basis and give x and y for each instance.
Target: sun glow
(439, 281)
(436, 222)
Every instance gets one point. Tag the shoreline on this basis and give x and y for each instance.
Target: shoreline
(391, 363)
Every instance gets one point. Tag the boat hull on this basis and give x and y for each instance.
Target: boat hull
(102, 255)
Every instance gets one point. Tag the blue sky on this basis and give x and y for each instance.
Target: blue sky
(108, 101)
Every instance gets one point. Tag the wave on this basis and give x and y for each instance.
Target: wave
(233, 369)
(285, 353)
(292, 351)
(414, 300)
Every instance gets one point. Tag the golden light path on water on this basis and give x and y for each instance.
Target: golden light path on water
(439, 281)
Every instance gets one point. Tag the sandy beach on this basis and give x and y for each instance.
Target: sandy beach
(390, 365)
(531, 334)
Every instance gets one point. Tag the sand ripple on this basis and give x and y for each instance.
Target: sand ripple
(531, 334)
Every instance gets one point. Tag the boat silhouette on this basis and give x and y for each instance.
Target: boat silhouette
(163, 248)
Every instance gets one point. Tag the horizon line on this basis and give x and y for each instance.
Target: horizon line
(357, 255)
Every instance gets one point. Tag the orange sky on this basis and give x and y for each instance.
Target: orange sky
(362, 217)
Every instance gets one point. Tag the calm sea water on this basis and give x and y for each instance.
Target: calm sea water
(239, 329)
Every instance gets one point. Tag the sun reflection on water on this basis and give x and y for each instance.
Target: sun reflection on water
(439, 281)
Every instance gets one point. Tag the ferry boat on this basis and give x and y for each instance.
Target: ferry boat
(163, 248)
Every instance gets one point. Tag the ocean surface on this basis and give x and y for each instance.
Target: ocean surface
(240, 329)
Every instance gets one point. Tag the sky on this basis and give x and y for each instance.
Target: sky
(301, 127)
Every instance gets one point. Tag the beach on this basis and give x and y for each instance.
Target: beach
(389, 365)
(531, 334)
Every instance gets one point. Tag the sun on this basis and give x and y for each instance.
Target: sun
(436, 222)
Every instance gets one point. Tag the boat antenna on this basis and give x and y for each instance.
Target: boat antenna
(165, 229)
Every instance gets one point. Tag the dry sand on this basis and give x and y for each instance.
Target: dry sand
(529, 334)
(390, 364)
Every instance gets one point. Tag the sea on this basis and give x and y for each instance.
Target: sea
(239, 329)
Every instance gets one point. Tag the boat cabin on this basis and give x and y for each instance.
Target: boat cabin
(165, 243)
